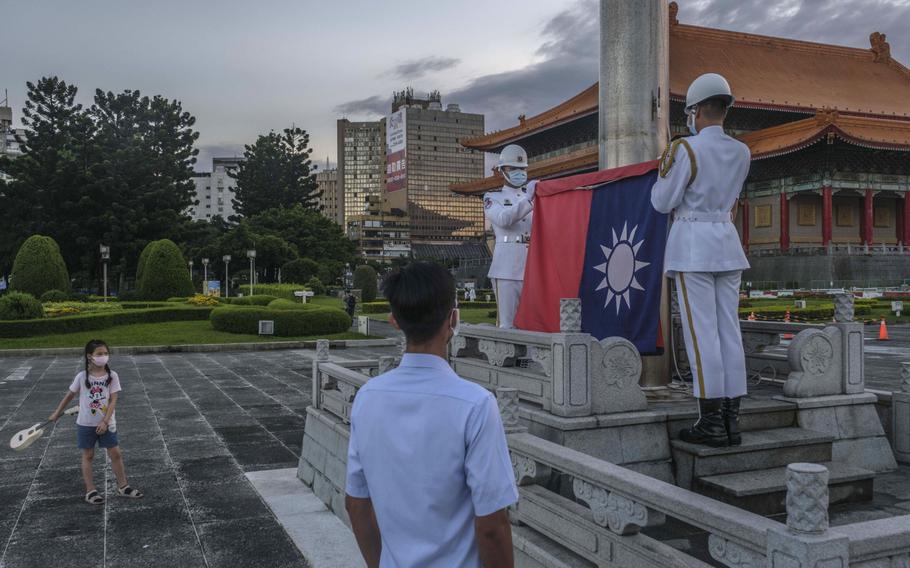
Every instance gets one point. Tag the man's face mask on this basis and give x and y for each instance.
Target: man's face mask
(517, 177)
(690, 119)
(456, 322)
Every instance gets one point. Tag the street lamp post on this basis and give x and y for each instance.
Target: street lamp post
(348, 277)
(227, 263)
(191, 270)
(251, 254)
(205, 276)
(105, 257)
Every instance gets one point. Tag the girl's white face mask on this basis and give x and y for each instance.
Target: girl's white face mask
(101, 360)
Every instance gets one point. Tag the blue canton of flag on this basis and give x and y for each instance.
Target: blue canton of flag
(623, 267)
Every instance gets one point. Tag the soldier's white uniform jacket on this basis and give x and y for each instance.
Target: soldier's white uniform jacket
(510, 212)
(702, 192)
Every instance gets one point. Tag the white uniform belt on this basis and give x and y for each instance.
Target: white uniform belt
(520, 239)
(703, 216)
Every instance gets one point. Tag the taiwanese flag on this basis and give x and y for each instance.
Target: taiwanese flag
(597, 237)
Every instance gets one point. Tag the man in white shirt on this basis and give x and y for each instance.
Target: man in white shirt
(429, 478)
(700, 180)
(510, 211)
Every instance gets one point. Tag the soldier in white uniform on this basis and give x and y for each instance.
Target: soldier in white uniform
(700, 179)
(510, 211)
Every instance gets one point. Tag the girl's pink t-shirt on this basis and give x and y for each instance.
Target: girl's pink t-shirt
(93, 401)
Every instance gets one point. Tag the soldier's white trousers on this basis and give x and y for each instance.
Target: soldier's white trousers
(709, 309)
(508, 292)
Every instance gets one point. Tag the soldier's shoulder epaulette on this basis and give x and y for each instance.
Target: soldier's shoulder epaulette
(668, 158)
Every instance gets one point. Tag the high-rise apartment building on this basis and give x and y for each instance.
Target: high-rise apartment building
(9, 136)
(331, 200)
(361, 165)
(435, 160)
(215, 190)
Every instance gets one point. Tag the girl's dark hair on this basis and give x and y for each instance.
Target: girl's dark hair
(89, 349)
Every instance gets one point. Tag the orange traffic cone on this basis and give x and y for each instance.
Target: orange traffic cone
(751, 317)
(883, 331)
(787, 320)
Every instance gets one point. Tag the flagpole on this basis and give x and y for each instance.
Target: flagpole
(633, 110)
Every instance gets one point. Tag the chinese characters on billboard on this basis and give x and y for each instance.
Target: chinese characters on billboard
(396, 151)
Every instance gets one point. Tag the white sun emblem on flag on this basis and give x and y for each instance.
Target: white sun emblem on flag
(620, 268)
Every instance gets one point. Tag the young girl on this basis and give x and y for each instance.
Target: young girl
(98, 388)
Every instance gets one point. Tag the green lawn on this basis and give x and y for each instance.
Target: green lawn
(168, 333)
(473, 315)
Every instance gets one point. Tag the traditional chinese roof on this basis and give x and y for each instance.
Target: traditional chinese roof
(879, 133)
(765, 72)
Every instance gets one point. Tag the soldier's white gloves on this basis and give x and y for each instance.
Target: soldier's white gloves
(532, 188)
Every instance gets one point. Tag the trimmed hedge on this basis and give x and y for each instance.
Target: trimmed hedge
(55, 296)
(101, 320)
(383, 306)
(39, 267)
(823, 311)
(164, 273)
(288, 322)
(20, 306)
(282, 304)
(285, 291)
(257, 300)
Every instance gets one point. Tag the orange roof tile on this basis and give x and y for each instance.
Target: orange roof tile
(765, 72)
(879, 133)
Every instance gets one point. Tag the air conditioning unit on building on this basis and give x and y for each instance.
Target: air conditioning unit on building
(266, 327)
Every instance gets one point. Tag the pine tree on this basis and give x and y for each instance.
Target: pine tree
(277, 172)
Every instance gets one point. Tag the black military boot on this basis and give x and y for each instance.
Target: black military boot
(731, 420)
(709, 430)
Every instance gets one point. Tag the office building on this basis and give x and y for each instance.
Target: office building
(215, 190)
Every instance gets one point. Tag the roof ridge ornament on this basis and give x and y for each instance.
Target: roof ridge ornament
(880, 47)
(674, 14)
(825, 116)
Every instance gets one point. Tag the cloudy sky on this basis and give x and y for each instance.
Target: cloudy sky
(243, 68)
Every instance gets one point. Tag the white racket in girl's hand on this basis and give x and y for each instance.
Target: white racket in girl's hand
(27, 437)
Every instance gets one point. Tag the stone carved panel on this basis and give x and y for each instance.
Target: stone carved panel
(322, 350)
(734, 555)
(499, 353)
(843, 308)
(346, 390)
(807, 498)
(616, 373)
(459, 344)
(620, 514)
(386, 364)
(527, 471)
(756, 342)
(905, 377)
(542, 356)
(622, 363)
(570, 315)
(507, 399)
(815, 361)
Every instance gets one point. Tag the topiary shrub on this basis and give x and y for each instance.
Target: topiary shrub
(316, 286)
(55, 296)
(330, 272)
(38, 267)
(299, 270)
(381, 307)
(288, 322)
(20, 306)
(101, 320)
(282, 304)
(257, 300)
(285, 291)
(165, 273)
(365, 279)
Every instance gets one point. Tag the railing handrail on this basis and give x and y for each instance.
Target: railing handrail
(747, 529)
(343, 374)
(536, 338)
(877, 539)
(775, 326)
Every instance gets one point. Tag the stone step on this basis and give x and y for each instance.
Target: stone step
(762, 414)
(765, 491)
(761, 449)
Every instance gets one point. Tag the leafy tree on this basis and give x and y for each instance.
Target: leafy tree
(313, 235)
(330, 272)
(316, 286)
(277, 172)
(165, 274)
(48, 180)
(299, 271)
(39, 267)
(365, 279)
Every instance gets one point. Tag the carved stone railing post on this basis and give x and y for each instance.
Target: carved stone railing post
(570, 315)
(616, 512)
(806, 542)
(843, 308)
(900, 416)
(386, 364)
(572, 360)
(853, 375)
(527, 471)
(826, 362)
(507, 399)
(322, 356)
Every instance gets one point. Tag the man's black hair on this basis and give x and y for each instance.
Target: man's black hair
(714, 108)
(422, 297)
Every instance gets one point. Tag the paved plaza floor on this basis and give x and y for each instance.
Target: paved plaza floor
(190, 426)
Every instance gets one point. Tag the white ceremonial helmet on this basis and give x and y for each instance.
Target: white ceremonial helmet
(513, 155)
(709, 86)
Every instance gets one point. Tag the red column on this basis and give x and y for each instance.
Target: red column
(907, 219)
(867, 217)
(784, 223)
(745, 207)
(827, 206)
